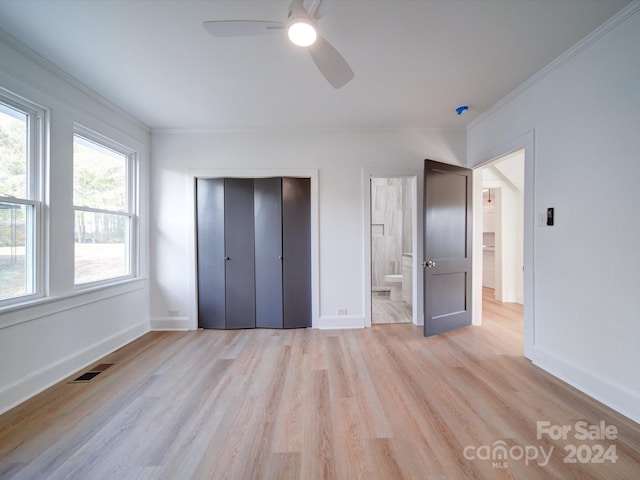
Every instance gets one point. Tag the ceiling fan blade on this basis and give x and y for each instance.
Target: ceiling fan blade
(318, 8)
(330, 63)
(313, 7)
(239, 28)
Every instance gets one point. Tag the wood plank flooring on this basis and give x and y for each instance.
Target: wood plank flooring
(380, 403)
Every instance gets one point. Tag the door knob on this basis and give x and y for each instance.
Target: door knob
(227, 258)
(280, 257)
(429, 264)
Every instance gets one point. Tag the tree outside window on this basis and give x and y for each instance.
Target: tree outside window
(103, 213)
(19, 200)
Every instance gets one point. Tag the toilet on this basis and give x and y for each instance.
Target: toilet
(394, 282)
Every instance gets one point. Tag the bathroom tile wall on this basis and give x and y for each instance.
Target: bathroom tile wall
(407, 201)
(390, 220)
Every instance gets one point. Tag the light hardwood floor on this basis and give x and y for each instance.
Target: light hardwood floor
(380, 403)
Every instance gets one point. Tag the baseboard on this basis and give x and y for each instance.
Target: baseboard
(324, 323)
(13, 394)
(616, 396)
(171, 323)
(340, 322)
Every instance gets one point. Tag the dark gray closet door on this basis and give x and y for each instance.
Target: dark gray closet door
(239, 248)
(268, 224)
(211, 264)
(296, 243)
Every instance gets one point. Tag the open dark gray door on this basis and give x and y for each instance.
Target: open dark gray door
(447, 247)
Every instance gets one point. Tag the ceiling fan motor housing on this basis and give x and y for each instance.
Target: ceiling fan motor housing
(300, 27)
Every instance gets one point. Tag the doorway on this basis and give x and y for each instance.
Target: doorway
(503, 227)
(392, 232)
(523, 143)
(502, 266)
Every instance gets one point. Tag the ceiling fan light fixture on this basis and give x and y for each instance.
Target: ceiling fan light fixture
(302, 32)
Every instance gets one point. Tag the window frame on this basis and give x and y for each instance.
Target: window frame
(35, 261)
(131, 206)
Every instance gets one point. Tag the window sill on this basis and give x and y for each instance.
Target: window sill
(41, 307)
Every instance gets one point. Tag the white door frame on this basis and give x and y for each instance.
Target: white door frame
(416, 234)
(525, 142)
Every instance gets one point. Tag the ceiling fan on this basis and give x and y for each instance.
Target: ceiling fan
(302, 30)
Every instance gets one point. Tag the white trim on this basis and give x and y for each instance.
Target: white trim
(213, 130)
(101, 210)
(43, 307)
(170, 323)
(339, 322)
(601, 388)
(90, 138)
(20, 201)
(26, 387)
(417, 233)
(190, 214)
(566, 57)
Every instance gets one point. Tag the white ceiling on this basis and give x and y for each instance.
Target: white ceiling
(415, 61)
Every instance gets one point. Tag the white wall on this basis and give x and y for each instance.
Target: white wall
(585, 112)
(44, 342)
(341, 159)
(506, 178)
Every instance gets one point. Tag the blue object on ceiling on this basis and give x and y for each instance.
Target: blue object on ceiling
(461, 109)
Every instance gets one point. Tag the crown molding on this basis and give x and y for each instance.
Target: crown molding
(53, 69)
(301, 130)
(598, 33)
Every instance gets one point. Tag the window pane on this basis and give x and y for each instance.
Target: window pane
(101, 250)
(16, 266)
(13, 153)
(99, 176)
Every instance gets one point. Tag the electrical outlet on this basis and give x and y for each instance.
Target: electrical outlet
(342, 311)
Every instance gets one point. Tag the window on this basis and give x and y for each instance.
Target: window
(20, 200)
(103, 199)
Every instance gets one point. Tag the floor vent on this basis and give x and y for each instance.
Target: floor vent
(93, 373)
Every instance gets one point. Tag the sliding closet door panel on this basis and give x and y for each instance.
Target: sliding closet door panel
(268, 224)
(296, 228)
(239, 248)
(211, 264)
